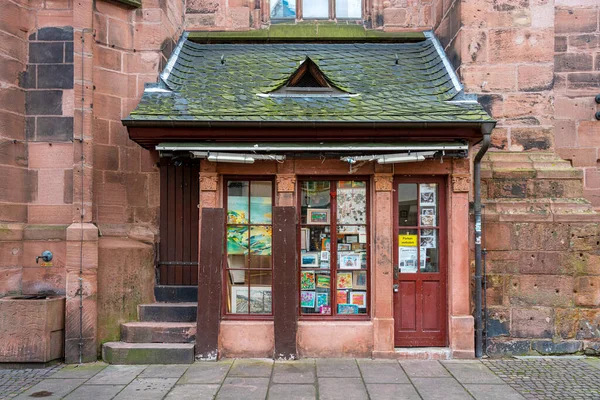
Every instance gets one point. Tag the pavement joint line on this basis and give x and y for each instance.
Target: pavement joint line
(362, 379)
(410, 380)
(456, 379)
(222, 380)
(270, 379)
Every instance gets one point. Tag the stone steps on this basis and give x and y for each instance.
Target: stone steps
(158, 332)
(168, 312)
(176, 294)
(147, 353)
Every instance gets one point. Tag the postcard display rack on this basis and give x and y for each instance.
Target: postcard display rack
(419, 223)
(333, 267)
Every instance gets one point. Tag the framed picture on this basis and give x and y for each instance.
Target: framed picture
(261, 299)
(349, 260)
(347, 309)
(326, 310)
(325, 244)
(307, 280)
(237, 276)
(357, 246)
(351, 239)
(344, 247)
(359, 280)
(359, 299)
(310, 259)
(304, 238)
(307, 299)
(428, 192)
(323, 281)
(344, 280)
(317, 216)
(325, 256)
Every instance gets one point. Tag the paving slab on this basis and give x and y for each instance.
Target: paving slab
(382, 371)
(95, 392)
(51, 389)
(424, 369)
(206, 372)
(164, 371)
(493, 392)
(147, 389)
(292, 392)
(440, 389)
(471, 372)
(83, 371)
(258, 368)
(342, 389)
(337, 368)
(299, 371)
(117, 375)
(193, 392)
(392, 391)
(243, 388)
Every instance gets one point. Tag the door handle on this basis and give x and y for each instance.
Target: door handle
(396, 288)
(395, 273)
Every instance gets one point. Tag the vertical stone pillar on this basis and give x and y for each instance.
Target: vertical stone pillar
(286, 186)
(382, 264)
(461, 328)
(81, 304)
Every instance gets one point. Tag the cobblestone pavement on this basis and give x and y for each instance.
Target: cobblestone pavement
(15, 381)
(550, 378)
(344, 379)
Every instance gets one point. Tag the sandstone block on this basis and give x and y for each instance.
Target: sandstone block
(535, 322)
(587, 291)
(542, 290)
(547, 347)
(567, 322)
(565, 133)
(10, 280)
(43, 280)
(535, 78)
(572, 62)
(583, 83)
(589, 324)
(589, 134)
(569, 20)
(542, 236)
(534, 138)
(395, 16)
(106, 157)
(520, 45)
(488, 78)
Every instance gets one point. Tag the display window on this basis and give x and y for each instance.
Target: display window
(248, 251)
(334, 248)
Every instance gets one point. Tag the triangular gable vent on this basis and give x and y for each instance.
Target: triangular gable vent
(308, 80)
(308, 75)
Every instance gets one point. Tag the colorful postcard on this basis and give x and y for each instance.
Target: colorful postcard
(359, 299)
(325, 310)
(344, 247)
(323, 281)
(307, 280)
(341, 297)
(322, 299)
(344, 280)
(324, 256)
(349, 260)
(359, 280)
(347, 309)
(307, 299)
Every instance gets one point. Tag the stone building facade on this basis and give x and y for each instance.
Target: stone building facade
(74, 183)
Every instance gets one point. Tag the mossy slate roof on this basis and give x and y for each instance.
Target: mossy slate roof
(394, 83)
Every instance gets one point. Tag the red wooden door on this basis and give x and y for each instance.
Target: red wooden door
(420, 262)
(179, 198)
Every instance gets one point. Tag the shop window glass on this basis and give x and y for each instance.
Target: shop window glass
(333, 248)
(418, 234)
(249, 268)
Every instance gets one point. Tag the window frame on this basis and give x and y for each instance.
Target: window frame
(334, 179)
(225, 314)
(331, 13)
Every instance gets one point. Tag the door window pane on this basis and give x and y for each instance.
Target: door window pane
(261, 206)
(351, 202)
(283, 9)
(428, 202)
(408, 251)
(429, 250)
(315, 9)
(348, 9)
(237, 202)
(407, 204)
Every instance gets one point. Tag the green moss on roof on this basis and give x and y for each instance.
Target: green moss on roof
(393, 83)
(320, 32)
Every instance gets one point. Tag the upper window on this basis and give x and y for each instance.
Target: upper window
(316, 9)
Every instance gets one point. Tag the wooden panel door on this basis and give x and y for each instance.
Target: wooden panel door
(420, 262)
(179, 198)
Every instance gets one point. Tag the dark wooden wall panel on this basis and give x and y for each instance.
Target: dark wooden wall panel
(179, 198)
(209, 283)
(285, 282)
